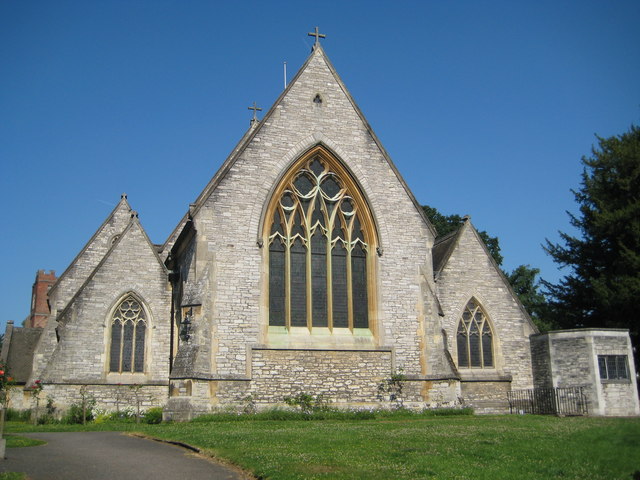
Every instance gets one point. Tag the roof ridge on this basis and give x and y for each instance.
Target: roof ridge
(446, 236)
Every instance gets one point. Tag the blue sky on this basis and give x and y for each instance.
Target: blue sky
(485, 107)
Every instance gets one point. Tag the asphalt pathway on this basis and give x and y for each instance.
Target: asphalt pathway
(109, 456)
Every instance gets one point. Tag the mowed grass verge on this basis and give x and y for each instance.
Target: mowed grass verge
(478, 447)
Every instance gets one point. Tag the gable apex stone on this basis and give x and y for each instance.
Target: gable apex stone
(296, 108)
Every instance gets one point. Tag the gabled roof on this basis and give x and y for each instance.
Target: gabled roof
(133, 223)
(445, 246)
(255, 130)
(122, 206)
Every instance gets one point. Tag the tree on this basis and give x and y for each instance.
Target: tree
(448, 223)
(603, 286)
(524, 284)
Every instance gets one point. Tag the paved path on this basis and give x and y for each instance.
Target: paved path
(109, 456)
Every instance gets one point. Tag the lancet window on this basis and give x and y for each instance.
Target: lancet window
(474, 338)
(319, 242)
(128, 331)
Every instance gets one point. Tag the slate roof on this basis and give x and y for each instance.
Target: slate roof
(22, 344)
(442, 249)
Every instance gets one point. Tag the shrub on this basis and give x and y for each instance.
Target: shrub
(74, 414)
(125, 415)
(153, 415)
(307, 403)
(13, 415)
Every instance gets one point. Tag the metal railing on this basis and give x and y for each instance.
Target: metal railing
(549, 401)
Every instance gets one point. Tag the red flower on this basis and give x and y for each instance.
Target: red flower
(1, 372)
(10, 379)
(37, 381)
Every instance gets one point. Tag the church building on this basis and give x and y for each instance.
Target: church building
(306, 265)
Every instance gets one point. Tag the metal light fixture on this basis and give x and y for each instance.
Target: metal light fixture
(186, 326)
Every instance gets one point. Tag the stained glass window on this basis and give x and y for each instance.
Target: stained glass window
(474, 338)
(318, 251)
(128, 330)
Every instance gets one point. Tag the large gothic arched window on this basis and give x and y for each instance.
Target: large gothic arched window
(320, 237)
(128, 330)
(474, 338)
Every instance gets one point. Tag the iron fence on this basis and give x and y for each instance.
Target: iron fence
(549, 401)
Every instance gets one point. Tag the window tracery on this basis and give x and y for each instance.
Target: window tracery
(319, 250)
(128, 331)
(474, 338)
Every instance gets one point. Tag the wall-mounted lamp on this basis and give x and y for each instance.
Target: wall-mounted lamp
(186, 326)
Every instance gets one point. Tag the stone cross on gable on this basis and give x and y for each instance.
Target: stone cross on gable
(318, 36)
(255, 110)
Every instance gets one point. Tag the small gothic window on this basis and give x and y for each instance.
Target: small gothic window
(474, 338)
(128, 329)
(317, 99)
(318, 251)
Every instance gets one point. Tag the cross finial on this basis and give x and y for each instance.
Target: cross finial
(255, 110)
(318, 36)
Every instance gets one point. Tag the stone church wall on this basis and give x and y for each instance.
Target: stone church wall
(486, 397)
(572, 361)
(82, 354)
(344, 377)
(228, 227)
(470, 273)
(74, 276)
(541, 362)
(109, 398)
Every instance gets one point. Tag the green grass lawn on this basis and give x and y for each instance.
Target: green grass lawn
(12, 476)
(483, 447)
(17, 441)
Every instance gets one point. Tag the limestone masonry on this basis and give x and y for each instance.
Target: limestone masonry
(305, 266)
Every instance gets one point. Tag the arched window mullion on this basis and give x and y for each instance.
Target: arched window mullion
(327, 206)
(133, 345)
(128, 333)
(473, 330)
(328, 257)
(122, 325)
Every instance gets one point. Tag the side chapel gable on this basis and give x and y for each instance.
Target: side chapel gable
(454, 243)
(76, 274)
(130, 266)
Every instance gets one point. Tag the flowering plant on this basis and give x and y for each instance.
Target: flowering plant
(36, 387)
(6, 382)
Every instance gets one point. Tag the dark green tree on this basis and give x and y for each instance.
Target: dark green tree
(527, 287)
(448, 223)
(602, 288)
